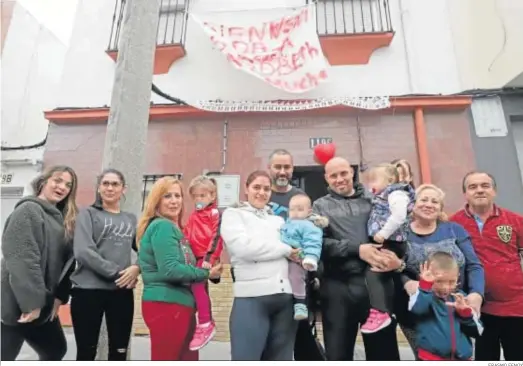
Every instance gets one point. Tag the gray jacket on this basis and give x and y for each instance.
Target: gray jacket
(36, 260)
(347, 230)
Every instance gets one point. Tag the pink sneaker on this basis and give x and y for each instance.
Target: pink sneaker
(375, 322)
(202, 335)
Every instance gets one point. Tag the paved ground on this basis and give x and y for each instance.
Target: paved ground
(215, 351)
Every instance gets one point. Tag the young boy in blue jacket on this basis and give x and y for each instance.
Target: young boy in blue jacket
(444, 321)
(302, 230)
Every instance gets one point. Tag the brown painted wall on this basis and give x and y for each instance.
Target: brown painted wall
(189, 147)
(451, 154)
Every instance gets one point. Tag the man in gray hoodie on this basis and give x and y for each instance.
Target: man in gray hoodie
(345, 256)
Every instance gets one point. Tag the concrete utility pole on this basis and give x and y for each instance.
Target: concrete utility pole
(126, 136)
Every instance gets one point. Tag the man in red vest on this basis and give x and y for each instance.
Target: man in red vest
(497, 237)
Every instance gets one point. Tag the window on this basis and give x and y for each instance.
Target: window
(172, 24)
(352, 16)
(150, 179)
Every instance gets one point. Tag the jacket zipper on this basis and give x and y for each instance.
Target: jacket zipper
(452, 333)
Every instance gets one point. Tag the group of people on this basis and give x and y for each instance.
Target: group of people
(377, 252)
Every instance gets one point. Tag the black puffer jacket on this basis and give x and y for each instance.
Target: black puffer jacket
(347, 230)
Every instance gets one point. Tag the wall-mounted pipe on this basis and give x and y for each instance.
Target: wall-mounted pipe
(225, 145)
(225, 141)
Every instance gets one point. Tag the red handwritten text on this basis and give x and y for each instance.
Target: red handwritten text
(271, 50)
(272, 30)
(308, 81)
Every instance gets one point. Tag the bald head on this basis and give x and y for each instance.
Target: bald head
(335, 163)
(339, 174)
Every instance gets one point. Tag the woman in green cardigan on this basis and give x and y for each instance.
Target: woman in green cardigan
(168, 269)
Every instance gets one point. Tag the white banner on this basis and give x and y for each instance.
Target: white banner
(284, 51)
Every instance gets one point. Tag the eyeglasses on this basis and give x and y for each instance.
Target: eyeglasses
(107, 184)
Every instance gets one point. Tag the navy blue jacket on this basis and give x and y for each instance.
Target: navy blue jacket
(442, 331)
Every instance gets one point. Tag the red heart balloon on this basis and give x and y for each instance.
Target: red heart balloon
(324, 152)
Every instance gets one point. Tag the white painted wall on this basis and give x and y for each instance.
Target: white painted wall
(32, 62)
(23, 166)
(420, 59)
(488, 37)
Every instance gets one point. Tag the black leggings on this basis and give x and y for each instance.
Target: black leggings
(381, 285)
(48, 340)
(506, 331)
(87, 310)
(345, 305)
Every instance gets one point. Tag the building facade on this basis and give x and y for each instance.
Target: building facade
(33, 50)
(410, 51)
(487, 38)
(378, 48)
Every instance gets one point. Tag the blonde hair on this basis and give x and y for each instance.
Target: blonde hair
(205, 182)
(67, 206)
(158, 190)
(389, 170)
(427, 186)
(443, 261)
(404, 165)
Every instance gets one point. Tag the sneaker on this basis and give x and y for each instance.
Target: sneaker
(375, 322)
(301, 312)
(202, 335)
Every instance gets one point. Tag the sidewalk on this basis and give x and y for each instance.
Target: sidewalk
(215, 351)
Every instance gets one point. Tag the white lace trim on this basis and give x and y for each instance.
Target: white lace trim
(377, 102)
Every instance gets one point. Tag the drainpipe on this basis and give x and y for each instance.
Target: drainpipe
(224, 146)
(422, 145)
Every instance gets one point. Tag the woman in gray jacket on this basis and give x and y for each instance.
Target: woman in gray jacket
(105, 275)
(262, 321)
(37, 260)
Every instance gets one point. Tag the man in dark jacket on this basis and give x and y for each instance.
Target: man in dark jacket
(345, 256)
(281, 167)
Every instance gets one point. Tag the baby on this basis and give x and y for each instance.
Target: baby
(303, 230)
(445, 322)
(388, 223)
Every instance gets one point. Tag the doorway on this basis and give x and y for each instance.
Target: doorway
(311, 180)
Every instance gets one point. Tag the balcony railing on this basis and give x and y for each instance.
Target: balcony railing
(336, 17)
(172, 25)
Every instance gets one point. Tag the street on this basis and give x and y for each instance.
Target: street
(215, 351)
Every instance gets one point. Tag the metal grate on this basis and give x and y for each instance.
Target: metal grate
(352, 16)
(12, 192)
(150, 179)
(172, 25)
(332, 17)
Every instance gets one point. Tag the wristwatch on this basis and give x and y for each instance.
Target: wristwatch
(402, 267)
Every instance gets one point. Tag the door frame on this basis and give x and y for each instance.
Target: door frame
(320, 168)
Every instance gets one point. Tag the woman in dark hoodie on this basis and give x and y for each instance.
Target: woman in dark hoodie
(37, 260)
(105, 275)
